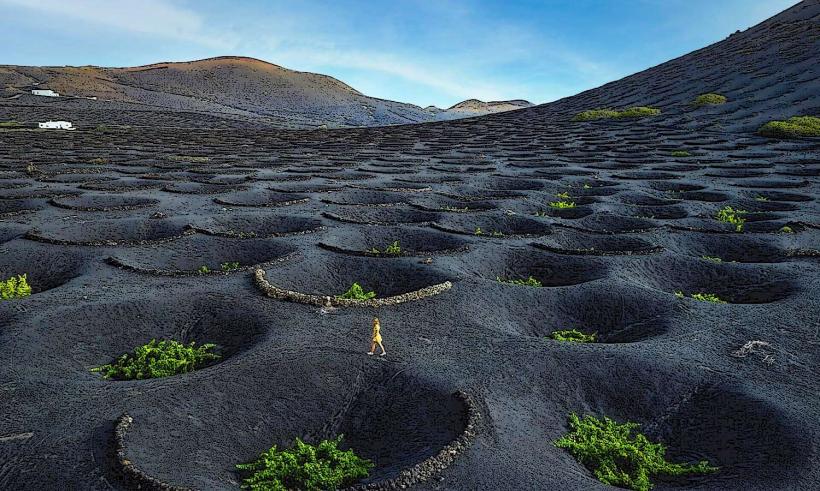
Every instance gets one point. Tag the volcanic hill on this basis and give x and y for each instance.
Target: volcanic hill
(230, 87)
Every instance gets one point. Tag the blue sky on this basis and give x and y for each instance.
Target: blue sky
(420, 51)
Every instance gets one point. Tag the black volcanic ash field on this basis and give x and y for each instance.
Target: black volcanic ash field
(112, 251)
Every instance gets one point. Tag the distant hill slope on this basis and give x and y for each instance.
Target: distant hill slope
(232, 87)
(769, 71)
(476, 107)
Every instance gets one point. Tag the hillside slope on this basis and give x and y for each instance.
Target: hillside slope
(477, 107)
(231, 87)
(769, 71)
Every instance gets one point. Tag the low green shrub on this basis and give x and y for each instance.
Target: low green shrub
(10, 124)
(494, 233)
(356, 292)
(714, 259)
(703, 297)
(159, 359)
(785, 229)
(231, 266)
(573, 336)
(562, 205)
(305, 467)
(708, 297)
(630, 112)
(203, 269)
(620, 456)
(709, 100)
(563, 196)
(593, 114)
(794, 127)
(530, 281)
(393, 249)
(15, 287)
(638, 112)
(727, 214)
(680, 153)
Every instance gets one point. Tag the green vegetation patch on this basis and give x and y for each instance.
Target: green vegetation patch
(702, 297)
(530, 281)
(785, 229)
(620, 456)
(230, 266)
(10, 124)
(794, 127)
(631, 112)
(573, 336)
(14, 287)
(159, 359)
(356, 292)
(562, 205)
(710, 99)
(494, 233)
(305, 467)
(639, 112)
(393, 249)
(680, 153)
(708, 297)
(593, 114)
(733, 216)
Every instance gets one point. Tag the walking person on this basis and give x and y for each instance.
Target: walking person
(377, 338)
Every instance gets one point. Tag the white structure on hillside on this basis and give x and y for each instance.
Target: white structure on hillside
(57, 125)
(45, 92)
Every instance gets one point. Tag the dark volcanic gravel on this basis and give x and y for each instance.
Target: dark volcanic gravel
(113, 263)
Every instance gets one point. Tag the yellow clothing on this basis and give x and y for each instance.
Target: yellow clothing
(377, 337)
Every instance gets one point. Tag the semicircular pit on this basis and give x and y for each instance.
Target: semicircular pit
(45, 267)
(732, 283)
(202, 254)
(382, 241)
(323, 280)
(422, 427)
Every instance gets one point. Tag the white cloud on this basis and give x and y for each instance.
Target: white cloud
(160, 18)
(427, 74)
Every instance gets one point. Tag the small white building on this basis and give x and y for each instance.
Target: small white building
(45, 92)
(57, 125)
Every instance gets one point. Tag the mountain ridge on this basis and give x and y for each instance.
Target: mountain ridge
(234, 87)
